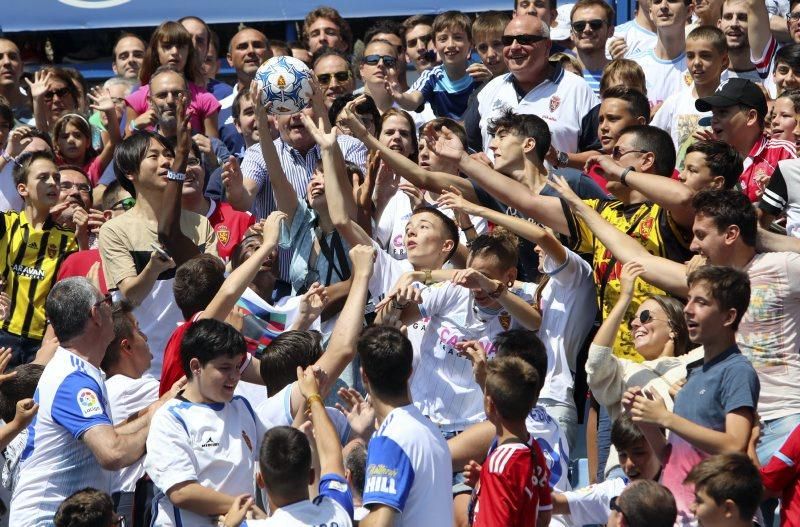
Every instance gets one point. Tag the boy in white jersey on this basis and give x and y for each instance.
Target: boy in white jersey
(286, 471)
(202, 447)
(408, 477)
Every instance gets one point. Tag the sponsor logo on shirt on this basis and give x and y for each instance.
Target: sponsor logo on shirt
(89, 403)
(381, 479)
(28, 272)
(210, 443)
(33, 245)
(338, 486)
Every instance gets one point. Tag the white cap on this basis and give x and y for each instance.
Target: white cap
(562, 29)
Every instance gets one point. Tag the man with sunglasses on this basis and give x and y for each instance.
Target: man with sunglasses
(533, 86)
(592, 25)
(643, 504)
(335, 75)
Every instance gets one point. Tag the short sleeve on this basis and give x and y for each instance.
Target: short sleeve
(776, 196)
(117, 261)
(253, 166)
(569, 273)
(589, 505)
(782, 468)
(207, 104)
(301, 221)
(79, 405)
(740, 388)
(441, 298)
(208, 237)
(389, 474)
(170, 459)
(335, 487)
(354, 151)
(137, 100)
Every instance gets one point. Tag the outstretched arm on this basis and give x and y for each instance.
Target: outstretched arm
(329, 448)
(661, 272)
(758, 30)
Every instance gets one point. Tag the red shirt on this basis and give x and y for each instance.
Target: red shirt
(761, 162)
(229, 226)
(79, 263)
(782, 476)
(513, 487)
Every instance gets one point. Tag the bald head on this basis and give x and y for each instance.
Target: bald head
(526, 56)
(249, 48)
(527, 24)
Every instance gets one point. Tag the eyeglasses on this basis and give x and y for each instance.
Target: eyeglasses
(612, 504)
(793, 17)
(69, 185)
(124, 204)
(412, 42)
(61, 92)
(617, 152)
(373, 60)
(107, 299)
(483, 47)
(340, 76)
(580, 25)
(522, 40)
(645, 317)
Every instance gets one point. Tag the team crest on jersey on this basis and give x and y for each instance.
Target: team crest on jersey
(555, 102)
(505, 320)
(247, 441)
(223, 234)
(645, 227)
(52, 250)
(89, 403)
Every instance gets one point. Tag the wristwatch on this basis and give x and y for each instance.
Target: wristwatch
(175, 176)
(562, 158)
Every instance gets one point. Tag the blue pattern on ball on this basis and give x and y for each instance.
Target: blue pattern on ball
(284, 81)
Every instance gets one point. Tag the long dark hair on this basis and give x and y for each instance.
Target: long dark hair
(171, 32)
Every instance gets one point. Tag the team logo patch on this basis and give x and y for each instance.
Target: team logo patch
(505, 321)
(52, 250)
(89, 403)
(223, 234)
(555, 102)
(687, 78)
(247, 441)
(646, 227)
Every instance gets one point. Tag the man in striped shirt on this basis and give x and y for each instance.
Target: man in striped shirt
(298, 154)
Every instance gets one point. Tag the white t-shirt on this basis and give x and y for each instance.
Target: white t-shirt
(554, 446)
(678, 117)
(9, 197)
(56, 463)
(409, 469)
(663, 76)
(443, 388)
(589, 505)
(126, 397)
(569, 307)
(214, 444)
(333, 507)
(562, 101)
(635, 36)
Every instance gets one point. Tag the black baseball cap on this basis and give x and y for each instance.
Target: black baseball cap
(741, 92)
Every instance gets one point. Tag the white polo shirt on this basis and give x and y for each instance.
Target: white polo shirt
(663, 76)
(561, 100)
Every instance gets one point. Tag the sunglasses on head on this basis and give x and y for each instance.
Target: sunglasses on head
(340, 76)
(580, 25)
(124, 204)
(373, 60)
(424, 39)
(645, 317)
(61, 92)
(522, 40)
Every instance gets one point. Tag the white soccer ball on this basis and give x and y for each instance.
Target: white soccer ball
(284, 81)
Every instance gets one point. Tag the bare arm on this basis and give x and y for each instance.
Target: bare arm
(379, 516)
(136, 288)
(210, 125)
(772, 242)
(114, 450)
(240, 191)
(194, 497)
(758, 25)
(102, 102)
(471, 445)
(285, 195)
(329, 448)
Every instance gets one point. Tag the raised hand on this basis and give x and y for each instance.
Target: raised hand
(101, 100)
(479, 72)
(359, 412)
(307, 381)
(350, 119)
(271, 229)
(475, 352)
(472, 279)
(313, 302)
(413, 192)
(5, 358)
(453, 199)
(560, 185)
(41, 80)
(617, 47)
(17, 140)
(322, 138)
(363, 260)
(26, 411)
(183, 141)
(630, 272)
(444, 143)
(649, 407)
(232, 178)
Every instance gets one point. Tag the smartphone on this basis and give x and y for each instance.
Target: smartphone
(161, 252)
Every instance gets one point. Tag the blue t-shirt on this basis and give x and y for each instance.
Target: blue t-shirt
(448, 98)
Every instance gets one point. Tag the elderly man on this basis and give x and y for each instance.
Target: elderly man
(10, 78)
(128, 56)
(532, 86)
(73, 441)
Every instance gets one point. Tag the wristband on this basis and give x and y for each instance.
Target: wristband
(132, 126)
(175, 176)
(624, 175)
(470, 228)
(8, 157)
(313, 397)
(499, 291)
(398, 306)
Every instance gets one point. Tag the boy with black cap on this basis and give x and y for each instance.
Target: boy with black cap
(739, 110)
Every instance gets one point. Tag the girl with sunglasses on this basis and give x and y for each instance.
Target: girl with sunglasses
(377, 69)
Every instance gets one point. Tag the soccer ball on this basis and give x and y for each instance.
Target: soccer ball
(284, 81)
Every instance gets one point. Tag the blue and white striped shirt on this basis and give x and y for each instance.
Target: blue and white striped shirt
(298, 168)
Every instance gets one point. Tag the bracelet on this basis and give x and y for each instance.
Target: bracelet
(175, 176)
(428, 277)
(132, 126)
(8, 157)
(313, 397)
(470, 228)
(397, 305)
(624, 175)
(501, 287)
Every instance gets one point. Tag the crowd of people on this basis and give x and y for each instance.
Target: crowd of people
(489, 246)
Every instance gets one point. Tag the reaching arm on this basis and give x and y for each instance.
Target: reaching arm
(196, 498)
(663, 273)
(329, 449)
(520, 310)
(379, 516)
(285, 195)
(758, 27)
(772, 242)
(471, 445)
(102, 102)
(607, 333)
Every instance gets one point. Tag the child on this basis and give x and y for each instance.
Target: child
(202, 445)
(711, 165)
(73, 138)
(782, 119)
(487, 34)
(87, 508)
(727, 491)
(512, 488)
(446, 87)
(715, 409)
(707, 59)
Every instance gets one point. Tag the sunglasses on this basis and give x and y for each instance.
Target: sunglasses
(61, 92)
(69, 185)
(612, 504)
(373, 60)
(580, 25)
(522, 40)
(645, 317)
(424, 39)
(107, 299)
(617, 152)
(794, 17)
(340, 76)
(124, 204)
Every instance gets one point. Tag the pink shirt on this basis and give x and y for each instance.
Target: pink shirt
(202, 104)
